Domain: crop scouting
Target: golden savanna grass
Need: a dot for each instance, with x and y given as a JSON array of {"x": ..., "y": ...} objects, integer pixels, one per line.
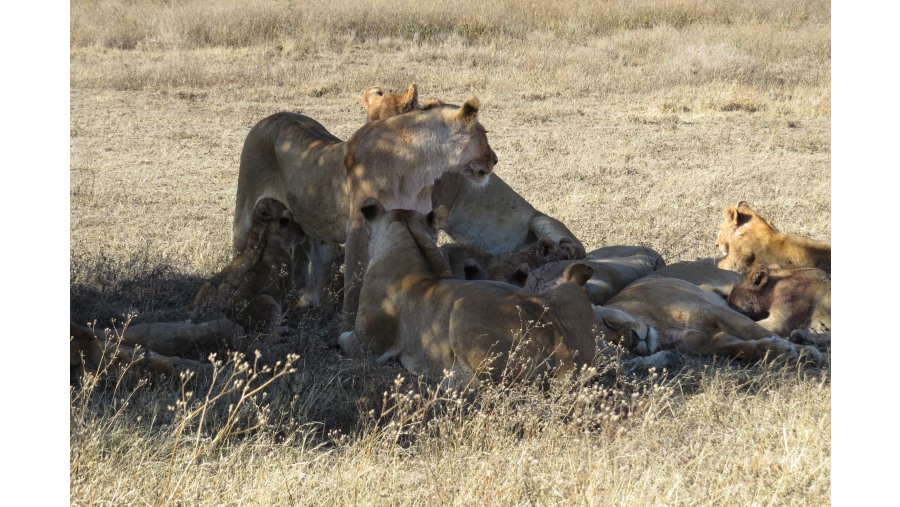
[{"x": 632, "y": 122}]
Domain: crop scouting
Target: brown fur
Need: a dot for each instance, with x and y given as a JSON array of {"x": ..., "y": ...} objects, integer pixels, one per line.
[
  {"x": 702, "y": 273},
  {"x": 787, "y": 300},
  {"x": 294, "y": 159},
  {"x": 614, "y": 268},
  {"x": 469, "y": 262},
  {"x": 494, "y": 217},
  {"x": 747, "y": 241},
  {"x": 381, "y": 105},
  {"x": 257, "y": 301},
  {"x": 694, "y": 321},
  {"x": 217, "y": 291},
  {"x": 409, "y": 307}
]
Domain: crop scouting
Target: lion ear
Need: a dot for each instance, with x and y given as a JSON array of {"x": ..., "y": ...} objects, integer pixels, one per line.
[
  {"x": 743, "y": 215},
  {"x": 730, "y": 214},
  {"x": 410, "y": 99},
  {"x": 370, "y": 94},
  {"x": 265, "y": 209},
  {"x": 469, "y": 110},
  {"x": 760, "y": 277},
  {"x": 578, "y": 273},
  {"x": 371, "y": 209}
]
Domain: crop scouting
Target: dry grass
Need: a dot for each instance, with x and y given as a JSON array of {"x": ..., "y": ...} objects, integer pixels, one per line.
[{"x": 632, "y": 122}]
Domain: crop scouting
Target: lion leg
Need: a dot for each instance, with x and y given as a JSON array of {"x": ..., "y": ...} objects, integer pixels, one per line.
[
  {"x": 202, "y": 300},
  {"x": 543, "y": 226},
  {"x": 321, "y": 255},
  {"x": 811, "y": 337},
  {"x": 178, "y": 338},
  {"x": 351, "y": 344},
  {"x": 356, "y": 258},
  {"x": 243, "y": 224},
  {"x": 774, "y": 346},
  {"x": 301, "y": 257},
  {"x": 776, "y": 324}
]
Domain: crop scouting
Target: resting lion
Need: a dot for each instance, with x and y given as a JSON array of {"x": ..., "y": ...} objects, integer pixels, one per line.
[
  {"x": 492, "y": 217},
  {"x": 789, "y": 302},
  {"x": 293, "y": 159},
  {"x": 747, "y": 240},
  {"x": 695, "y": 321},
  {"x": 614, "y": 268},
  {"x": 411, "y": 307},
  {"x": 702, "y": 273}
]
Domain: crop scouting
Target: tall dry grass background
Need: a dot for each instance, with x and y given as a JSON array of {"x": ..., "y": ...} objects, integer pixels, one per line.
[{"x": 632, "y": 122}]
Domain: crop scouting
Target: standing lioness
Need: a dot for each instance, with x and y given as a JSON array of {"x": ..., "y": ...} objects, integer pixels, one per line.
[
  {"x": 492, "y": 217},
  {"x": 323, "y": 181}
]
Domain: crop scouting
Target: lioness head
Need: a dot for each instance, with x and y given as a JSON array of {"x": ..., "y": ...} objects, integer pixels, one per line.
[
  {"x": 619, "y": 328},
  {"x": 476, "y": 159},
  {"x": 386, "y": 226}
]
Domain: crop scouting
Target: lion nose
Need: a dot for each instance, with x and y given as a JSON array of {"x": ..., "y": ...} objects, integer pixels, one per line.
[{"x": 493, "y": 157}]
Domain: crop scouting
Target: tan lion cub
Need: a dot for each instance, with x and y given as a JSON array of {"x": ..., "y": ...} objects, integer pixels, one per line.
[
  {"x": 747, "y": 241},
  {"x": 218, "y": 290},
  {"x": 411, "y": 307},
  {"x": 257, "y": 300}
]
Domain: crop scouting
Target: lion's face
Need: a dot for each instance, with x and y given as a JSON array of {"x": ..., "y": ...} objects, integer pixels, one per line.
[
  {"x": 477, "y": 158},
  {"x": 734, "y": 218},
  {"x": 748, "y": 294},
  {"x": 617, "y": 327}
]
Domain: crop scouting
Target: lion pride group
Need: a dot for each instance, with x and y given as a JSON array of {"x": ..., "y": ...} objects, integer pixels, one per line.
[{"x": 510, "y": 293}]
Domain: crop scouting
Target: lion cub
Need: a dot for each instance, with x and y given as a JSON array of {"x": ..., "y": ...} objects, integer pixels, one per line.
[
  {"x": 256, "y": 302},
  {"x": 747, "y": 241},
  {"x": 218, "y": 290},
  {"x": 792, "y": 303}
]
